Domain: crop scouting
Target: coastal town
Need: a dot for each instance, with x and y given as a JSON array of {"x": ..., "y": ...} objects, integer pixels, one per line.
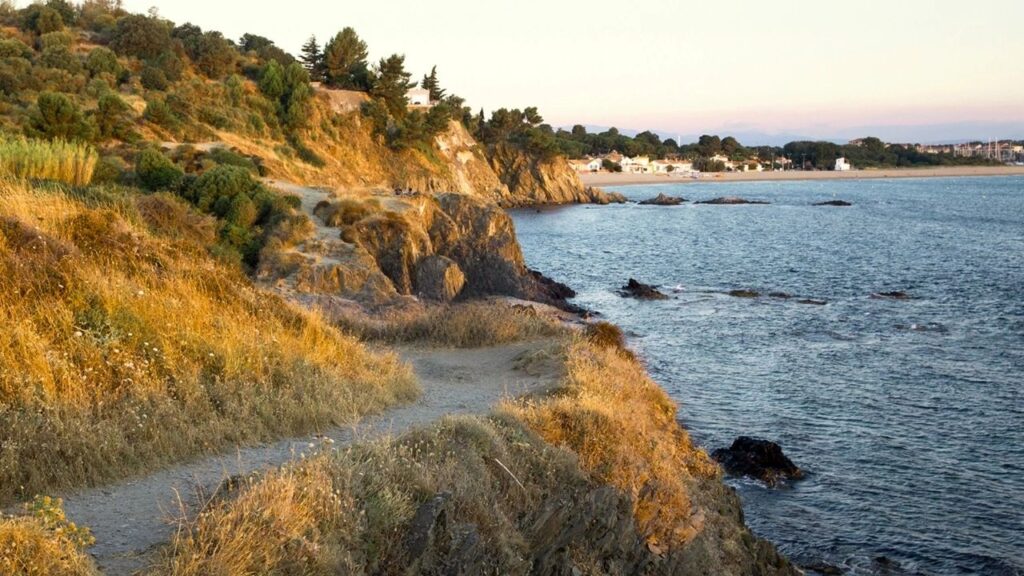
[{"x": 1005, "y": 152}]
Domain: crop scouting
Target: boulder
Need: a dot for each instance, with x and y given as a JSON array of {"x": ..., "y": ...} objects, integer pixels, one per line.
[
  {"x": 812, "y": 301},
  {"x": 730, "y": 200},
  {"x": 833, "y": 203},
  {"x": 663, "y": 199},
  {"x": 439, "y": 278},
  {"x": 759, "y": 459},
  {"x": 744, "y": 293},
  {"x": 641, "y": 291}
]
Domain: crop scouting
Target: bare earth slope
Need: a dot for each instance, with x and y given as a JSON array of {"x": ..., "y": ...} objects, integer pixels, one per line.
[{"x": 132, "y": 519}]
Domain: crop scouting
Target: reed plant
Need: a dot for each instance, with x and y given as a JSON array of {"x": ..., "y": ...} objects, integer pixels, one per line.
[{"x": 68, "y": 162}]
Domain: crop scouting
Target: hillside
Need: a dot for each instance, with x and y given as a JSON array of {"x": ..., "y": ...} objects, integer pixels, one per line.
[{"x": 203, "y": 250}]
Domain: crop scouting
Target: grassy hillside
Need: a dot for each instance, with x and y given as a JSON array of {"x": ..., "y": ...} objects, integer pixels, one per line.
[
  {"x": 597, "y": 476},
  {"x": 125, "y": 345}
]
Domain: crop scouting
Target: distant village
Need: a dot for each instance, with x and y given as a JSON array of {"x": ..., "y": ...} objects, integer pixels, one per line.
[{"x": 1008, "y": 152}]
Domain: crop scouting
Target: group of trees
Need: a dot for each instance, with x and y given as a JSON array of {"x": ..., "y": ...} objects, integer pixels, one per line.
[
  {"x": 869, "y": 152},
  {"x": 342, "y": 63}
]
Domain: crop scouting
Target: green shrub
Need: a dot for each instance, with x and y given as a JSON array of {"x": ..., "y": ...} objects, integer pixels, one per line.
[
  {"x": 153, "y": 78},
  {"x": 227, "y": 157},
  {"x": 57, "y": 116},
  {"x": 109, "y": 170},
  {"x": 159, "y": 113},
  {"x": 102, "y": 61},
  {"x": 141, "y": 36},
  {"x": 14, "y": 48},
  {"x": 156, "y": 171},
  {"x": 248, "y": 211},
  {"x": 113, "y": 117}
]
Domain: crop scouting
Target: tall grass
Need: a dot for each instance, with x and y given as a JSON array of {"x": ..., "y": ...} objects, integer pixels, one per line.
[
  {"x": 462, "y": 325},
  {"x": 68, "y": 162},
  {"x": 124, "y": 345},
  {"x": 527, "y": 478}
]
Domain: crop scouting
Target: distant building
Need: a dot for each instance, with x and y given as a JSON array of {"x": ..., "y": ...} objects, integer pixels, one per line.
[
  {"x": 419, "y": 98},
  {"x": 842, "y": 165},
  {"x": 585, "y": 164}
]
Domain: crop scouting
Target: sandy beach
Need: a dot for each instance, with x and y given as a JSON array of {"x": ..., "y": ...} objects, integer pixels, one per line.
[{"x": 621, "y": 179}]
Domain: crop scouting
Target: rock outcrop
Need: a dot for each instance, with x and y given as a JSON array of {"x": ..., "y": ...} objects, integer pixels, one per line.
[
  {"x": 440, "y": 247},
  {"x": 533, "y": 182},
  {"x": 892, "y": 295},
  {"x": 663, "y": 199},
  {"x": 832, "y": 203},
  {"x": 641, "y": 291},
  {"x": 439, "y": 278},
  {"x": 731, "y": 200},
  {"x": 757, "y": 458}
]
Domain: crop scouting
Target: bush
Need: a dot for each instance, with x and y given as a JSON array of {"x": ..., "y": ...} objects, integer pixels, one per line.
[
  {"x": 57, "y": 116},
  {"x": 102, "y": 61},
  {"x": 156, "y": 171},
  {"x": 159, "y": 113},
  {"x": 248, "y": 210},
  {"x": 70, "y": 163},
  {"x": 113, "y": 117},
  {"x": 141, "y": 36},
  {"x": 153, "y": 78},
  {"x": 109, "y": 170}
]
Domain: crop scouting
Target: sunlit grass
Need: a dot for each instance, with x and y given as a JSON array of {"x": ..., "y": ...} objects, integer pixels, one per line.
[
  {"x": 68, "y": 162},
  {"x": 124, "y": 345}
]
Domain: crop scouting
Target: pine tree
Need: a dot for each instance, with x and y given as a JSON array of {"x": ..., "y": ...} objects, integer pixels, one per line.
[
  {"x": 344, "y": 61},
  {"x": 392, "y": 84},
  {"x": 431, "y": 84},
  {"x": 313, "y": 60}
]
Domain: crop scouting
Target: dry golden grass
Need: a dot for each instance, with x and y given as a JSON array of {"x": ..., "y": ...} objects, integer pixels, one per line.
[
  {"x": 43, "y": 543},
  {"x": 471, "y": 324},
  {"x": 350, "y": 512},
  {"x": 68, "y": 162},
  {"x": 623, "y": 428},
  {"x": 124, "y": 345}
]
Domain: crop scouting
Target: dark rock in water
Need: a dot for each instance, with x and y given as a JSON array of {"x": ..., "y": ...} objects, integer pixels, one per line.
[
  {"x": 812, "y": 301},
  {"x": 744, "y": 293},
  {"x": 779, "y": 295},
  {"x": 823, "y": 568},
  {"x": 894, "y": 295},
  {"x": 833, "y": 203},
  {"x": 663, "y": 200},
  {"x": 553, "y": 289},
  {"x": 731, "y": 200},
  {"x": 757, "y": 458},
  {"x": 641, "y": 291}
]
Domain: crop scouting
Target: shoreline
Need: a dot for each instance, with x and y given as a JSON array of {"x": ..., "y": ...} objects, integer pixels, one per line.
[{"x": 622, "y": 179}]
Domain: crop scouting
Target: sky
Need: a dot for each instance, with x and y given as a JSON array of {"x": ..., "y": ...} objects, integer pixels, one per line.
[{"x": 912, "y": 70}]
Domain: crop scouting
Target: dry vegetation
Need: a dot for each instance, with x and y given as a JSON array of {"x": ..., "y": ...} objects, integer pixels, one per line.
[
  {"x": 124, "y": 345},
  {"x": 350, "y": 511},
  {"x": 68, "y": 162},
  {"x": 471, "y": 324},
  {"x": 42, "y": 542}
]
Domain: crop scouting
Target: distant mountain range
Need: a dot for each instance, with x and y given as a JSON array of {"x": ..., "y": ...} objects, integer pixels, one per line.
[{"x": 947, "y": 133}]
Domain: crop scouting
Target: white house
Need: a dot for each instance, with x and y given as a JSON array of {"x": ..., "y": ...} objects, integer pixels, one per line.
[
  {"x": 419, "y": 98},
  {"x": 842, "y": 165},
  {"x": 636, "y": 165},
  {"x": 585, "y": 164}
]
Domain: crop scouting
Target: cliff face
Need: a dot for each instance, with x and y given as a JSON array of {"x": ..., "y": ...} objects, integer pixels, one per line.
[
  {"x": 382, "y": 248},
  {"x": 530, "y": 181}
]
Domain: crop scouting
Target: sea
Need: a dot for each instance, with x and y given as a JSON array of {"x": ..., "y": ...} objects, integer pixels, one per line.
[{"x": 907, "y": 414}]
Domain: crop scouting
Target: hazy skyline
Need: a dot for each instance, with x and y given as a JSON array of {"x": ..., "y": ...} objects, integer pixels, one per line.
[{"x": 917, "y": 70}]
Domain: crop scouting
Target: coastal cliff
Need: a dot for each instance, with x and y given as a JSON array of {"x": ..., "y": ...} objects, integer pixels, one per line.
[{"x": 534, "y": 181}]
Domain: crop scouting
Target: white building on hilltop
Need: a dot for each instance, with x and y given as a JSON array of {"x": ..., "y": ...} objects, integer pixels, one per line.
[
  {"x": 419, "y": 98},
  {"x": 842, "y": 165}
]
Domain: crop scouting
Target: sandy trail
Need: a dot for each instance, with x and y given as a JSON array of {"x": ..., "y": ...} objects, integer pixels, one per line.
[{"x": 132, "y": 519}]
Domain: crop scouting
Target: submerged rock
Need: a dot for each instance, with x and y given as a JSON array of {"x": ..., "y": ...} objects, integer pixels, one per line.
[
  {"x": 641, "y": 291},
  {"x": 894, "y": 295},
  {"x": 663, "y": 199},
  {"x": 759, "y": 459},
  {"x": 812, "y": 301},
  {"x": 823, "y": 568},
  {"x": 731, "y": 200},
  {"x": 833, "y": 203},
  {"x": 744, "y": 293}
]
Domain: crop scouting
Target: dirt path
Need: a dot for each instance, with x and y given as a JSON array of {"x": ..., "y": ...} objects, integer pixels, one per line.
[{"x": 132, "y": 519}]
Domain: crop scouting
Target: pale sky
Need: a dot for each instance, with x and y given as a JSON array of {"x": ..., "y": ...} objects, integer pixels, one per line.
[{"x": 800, "y": 67}]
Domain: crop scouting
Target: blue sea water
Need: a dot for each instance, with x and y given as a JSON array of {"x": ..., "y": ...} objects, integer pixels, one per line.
[{"x": 907, "y": 415}]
